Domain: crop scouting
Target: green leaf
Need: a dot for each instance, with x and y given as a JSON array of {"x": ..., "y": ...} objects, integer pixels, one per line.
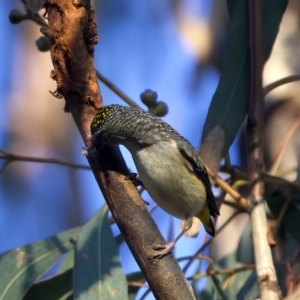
[
  {"x": 57, "y": 287},
  {"x": 241, "y": 285},
  {"x": 133, "y": 290},
  {"x": 245, "y": 286},
  {"x": 97, "y": 270},
  {"x": 229, "y": 104},
  {"x": 24, "y": 265},
  {"x": 208, "y": 293},
  {"x": 289, "y": 215},
  {"x": 244, "y": 252},
  {"x": 281, "y": 272},
  {"x": 68, "y": 262}
]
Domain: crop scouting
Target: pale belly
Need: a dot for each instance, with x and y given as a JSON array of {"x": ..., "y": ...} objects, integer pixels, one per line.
[{"x": 169, "y": 182}]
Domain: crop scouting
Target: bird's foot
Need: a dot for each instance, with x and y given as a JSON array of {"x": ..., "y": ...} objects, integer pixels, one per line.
[
  {"x": 163, "y": 250},
  {"x": 136, "y": 181}
]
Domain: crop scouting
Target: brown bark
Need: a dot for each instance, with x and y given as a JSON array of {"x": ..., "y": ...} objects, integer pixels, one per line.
[{"x": 72, "y": 32}]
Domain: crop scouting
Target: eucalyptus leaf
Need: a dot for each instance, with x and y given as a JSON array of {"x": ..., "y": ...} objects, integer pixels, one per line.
[
  {"x": 244, "y": 252},
  {"x": 21, "y": 267},
  {"x": 57, "y": 287},
  {"x": 290, "y": 215},
  {"x": 97, "y": 270},
  {"x": 68, "y": 262},
  {"x": 208, "y": 293},
  {"x": 241, "y": 285},
  {"x": 230, "y": 101},
  {"x": 245, "y": 286}
]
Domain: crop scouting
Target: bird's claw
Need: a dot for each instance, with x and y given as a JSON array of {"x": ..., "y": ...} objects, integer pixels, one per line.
[
  {"x": 136, "y": 181},
  {"x": 163, "y": 250}
]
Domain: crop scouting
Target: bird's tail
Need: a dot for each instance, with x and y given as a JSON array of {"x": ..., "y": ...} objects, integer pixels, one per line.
[{"x": 206, "y": 220}]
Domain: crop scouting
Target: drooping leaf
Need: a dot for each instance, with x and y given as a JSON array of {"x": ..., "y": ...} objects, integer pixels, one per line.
[
  {"x": 68, "y": 262},
  {"x": 244, "y": 252},
  {"x": 290, "y": 215},
  {"x": 97, "y": 270},
  {"x": 54, "y": 288},
  {"x": 245, "y": 286},
  {"x": 21, "y": 267},
  {"x": 281, "y": 272},
  {"x": 241, "y": 285},
  {"x": 229, "y": 104},
  {"x": 208, "y": 293}
]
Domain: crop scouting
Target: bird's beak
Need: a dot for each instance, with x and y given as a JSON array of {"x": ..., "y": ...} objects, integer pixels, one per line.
[{"x": 97, "y": 140}]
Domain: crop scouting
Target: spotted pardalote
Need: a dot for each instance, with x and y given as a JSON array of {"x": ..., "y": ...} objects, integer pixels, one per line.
[{"x": 169, "y": 167}]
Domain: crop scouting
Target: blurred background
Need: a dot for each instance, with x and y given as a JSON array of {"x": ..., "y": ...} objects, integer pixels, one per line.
[{"x": 174, "y": 47}]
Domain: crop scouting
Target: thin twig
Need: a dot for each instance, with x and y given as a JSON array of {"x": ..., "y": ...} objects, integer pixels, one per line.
[
  {"x": 206, "y": 244},
  {"x": 115, "y": 89},
  {"x": 283, "y": 145},
  {"x": 34, "y": 16},
  {"x": 137, "y": 284},
  {"x": 13, "y": 157},
  {"x": 231, "y": 204},
  {"x": 265, "y": 270},
  {"x": 229, "y": 271},
  {"x": 200, "y": 257},
  {"x": 290, "y": 278},
  {"x": 274, "y": 180},
  {"x": 197, "y": 254},
  {"x": 231, "y": 191},
  {"x": 282, "y": 81}
]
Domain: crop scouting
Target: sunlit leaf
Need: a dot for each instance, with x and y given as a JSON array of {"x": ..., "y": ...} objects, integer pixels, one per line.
[
  {"x": 97, "y": 270},
  {"x": 229, "y": 103},
  {"x": 21, "y": 267}
]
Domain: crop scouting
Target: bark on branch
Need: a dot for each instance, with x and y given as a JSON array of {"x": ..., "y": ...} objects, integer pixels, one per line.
[{"x": 72, "y": 32}]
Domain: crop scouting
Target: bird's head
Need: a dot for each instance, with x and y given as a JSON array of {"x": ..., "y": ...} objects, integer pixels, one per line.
[{"x": 108, "y": 126}]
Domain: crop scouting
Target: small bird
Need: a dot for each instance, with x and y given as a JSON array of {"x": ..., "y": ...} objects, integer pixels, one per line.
[{"x": 169, "y": 167}]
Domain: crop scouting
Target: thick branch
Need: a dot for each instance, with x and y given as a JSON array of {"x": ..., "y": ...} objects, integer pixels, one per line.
[
  {"x": 72, "y": 32},
  {"x": 266, "y": 274}
]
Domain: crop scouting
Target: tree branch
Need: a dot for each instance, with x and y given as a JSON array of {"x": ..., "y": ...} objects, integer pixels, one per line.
[
  {"x": 229, "y": 189},
  {"x": 72, "y": 32},
  {"x": 116, "y": 90},
  {"x": 10, "y": 157},
  {"x": 265, "y": 270},
  {"x": 280, "y": 82}
]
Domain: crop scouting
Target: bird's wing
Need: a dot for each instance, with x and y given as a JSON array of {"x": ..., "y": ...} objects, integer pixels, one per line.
[{"x": 192, "y": 157}]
